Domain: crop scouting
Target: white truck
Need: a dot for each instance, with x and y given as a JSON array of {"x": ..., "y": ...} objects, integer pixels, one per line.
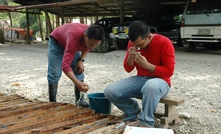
[{"x": 201, "y": 24}]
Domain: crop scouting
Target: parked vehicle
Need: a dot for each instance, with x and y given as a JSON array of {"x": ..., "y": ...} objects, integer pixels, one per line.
[
  {"x": 119, "y": 34},
  {"x": 107, "y": 24},
  {"x": 166, "y": 22},
  {"x": 201, "y": 24}
]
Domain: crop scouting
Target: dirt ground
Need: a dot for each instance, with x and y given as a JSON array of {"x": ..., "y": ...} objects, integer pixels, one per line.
[{"x": 196, "y": 79}]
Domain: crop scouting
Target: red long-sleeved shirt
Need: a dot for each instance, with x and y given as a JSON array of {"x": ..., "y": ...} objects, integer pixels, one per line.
[
  {"x": 160, "y": 52},
  {"x": 70, "y": 36}
]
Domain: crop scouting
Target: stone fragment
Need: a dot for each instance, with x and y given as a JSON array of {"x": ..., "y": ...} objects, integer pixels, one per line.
[{"x": 184, "y": 115}]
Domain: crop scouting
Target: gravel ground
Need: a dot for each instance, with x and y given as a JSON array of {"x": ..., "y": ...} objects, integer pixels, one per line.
[{"x": 197, "y": 79}]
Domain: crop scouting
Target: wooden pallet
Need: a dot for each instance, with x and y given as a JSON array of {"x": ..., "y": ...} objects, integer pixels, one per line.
[{"x": 20, "y": 115}]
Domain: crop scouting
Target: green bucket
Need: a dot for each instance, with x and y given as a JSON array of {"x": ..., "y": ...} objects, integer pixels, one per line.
[{"x": 99, "y": 103}]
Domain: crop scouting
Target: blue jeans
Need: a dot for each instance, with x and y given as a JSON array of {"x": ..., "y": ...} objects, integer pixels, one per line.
[
  {"x": 55, "y": 56},
  {"x": 149, "y": 89}
]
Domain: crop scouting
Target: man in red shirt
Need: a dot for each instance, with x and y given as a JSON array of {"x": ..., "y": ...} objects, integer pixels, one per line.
[
  {"x": 68, "y": 46},
  {"x": 152, "y": 55}
]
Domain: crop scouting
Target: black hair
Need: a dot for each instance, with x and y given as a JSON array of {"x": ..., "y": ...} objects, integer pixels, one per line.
[
  {"x": 138, "y": 28},
  {"x": 95, "y": 32}
]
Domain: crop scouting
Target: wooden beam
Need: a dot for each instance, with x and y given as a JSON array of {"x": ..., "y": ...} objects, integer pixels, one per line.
[
  {"x": 57, "y": 21},
  {"x": 119, "y": 7},
  {"x": 62, "y": 15},
  {"x": 122, "y": 12},
  {"x": 9, "y": 14},
  {"x": 104, "y": 2},
  {"x": 48, "y": 22},
  {"x": 173, "y": 3},
  {"x": 22, "y": 12}
]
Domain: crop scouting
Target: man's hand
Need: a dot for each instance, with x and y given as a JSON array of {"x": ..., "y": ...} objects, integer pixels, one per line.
[
  {"x": 82, "y": 86},
  {"x": 80, "y": 67},
  {"x": 131, "y": 52},
  {"x": 141, "y": 60},
  {"x": 131, "y": 55}
]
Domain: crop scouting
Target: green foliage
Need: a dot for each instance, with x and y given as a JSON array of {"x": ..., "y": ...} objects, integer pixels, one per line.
[
  {"x": 3, "y": 15},
  {"x": 11, "y": 3},
  {"x": 32, "y": 20},
  {"x": 4, "y": 2},
  {"x": 35, "y": 27}
]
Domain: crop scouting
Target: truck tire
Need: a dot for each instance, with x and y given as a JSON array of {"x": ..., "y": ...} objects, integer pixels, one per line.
[
  {"x": 104, "y": 46},
  {"x": 191, "y": 47},
  {"x": 120, "y": 45},
  {"x": 179, "y": 42}
]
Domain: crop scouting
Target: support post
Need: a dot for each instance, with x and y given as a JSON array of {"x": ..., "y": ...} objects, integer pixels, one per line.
[
  {"x": 62, "y": 16},
  {"x": 40, "y": 26},
  {"x": 28, "y": 29},
  {"x": 122, "y": 12}
]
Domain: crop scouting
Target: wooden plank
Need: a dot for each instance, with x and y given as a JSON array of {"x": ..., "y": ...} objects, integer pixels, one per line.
[
  {"x": 46, "y": 120},
  {"x": 172, "y": 100},
  {"x": 67, "y": 125},
  {"x": 8, "y": 98},
  {"x": 15, "y": 106},
  {"x": 85, "y": 126},
  {"x": 15, "y": 102},
  {"x": 32, "y": 111},
  {"x": 29, "y": 108}
]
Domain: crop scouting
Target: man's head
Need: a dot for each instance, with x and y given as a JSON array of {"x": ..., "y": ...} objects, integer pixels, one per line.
[
  {"x": 137, "y": 29},
  {"x": 139, "y": 34},
  {"x": 93, "y": 36}
]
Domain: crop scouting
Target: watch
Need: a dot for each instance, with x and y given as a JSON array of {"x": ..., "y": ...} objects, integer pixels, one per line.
[{"x": 79, "y": 59}]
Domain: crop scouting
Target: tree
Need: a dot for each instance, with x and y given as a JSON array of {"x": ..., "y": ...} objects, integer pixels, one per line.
[{"x": 4, "y": 2}]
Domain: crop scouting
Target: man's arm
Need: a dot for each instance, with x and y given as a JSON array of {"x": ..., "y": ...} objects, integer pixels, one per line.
[
  {"x": 129, "y": 59},
  {"x": 83, "y": 54}
]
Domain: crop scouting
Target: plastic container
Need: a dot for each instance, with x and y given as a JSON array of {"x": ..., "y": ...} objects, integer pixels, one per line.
[{"x": 99, "y": 103}]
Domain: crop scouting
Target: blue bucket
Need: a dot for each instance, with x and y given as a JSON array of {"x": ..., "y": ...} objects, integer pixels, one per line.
[{"x": 99, "y": 103}]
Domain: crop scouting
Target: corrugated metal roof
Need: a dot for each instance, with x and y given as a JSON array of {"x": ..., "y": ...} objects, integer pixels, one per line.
[{"x": 73, "y": 8}]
